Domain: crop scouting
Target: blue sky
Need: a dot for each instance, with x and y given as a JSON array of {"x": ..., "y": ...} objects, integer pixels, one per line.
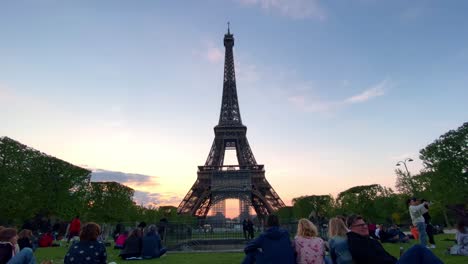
[{"x": 333, "y": 93}]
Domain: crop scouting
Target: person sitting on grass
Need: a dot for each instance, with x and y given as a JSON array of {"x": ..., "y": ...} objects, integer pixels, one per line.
[
  {"x": 273, "y": 246},
  {"x": 308, "y": 246},
  {"x": 385, "y": 236},
  {"x": 120, "y": 241},
  {"x": 25, "y": 239},
  {"x": 461, "y": 248},
  {"x": 152, "y": 247},
  {"x": 366, "y": 250},
  {"x": 9, "y": 249},
  {"x": 132, "y": 246},
  {"x": 338, "y": 242},
  {"x": 88, "y": 249}
]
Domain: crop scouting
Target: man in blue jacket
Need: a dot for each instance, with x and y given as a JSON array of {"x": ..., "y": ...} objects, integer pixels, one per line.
[{"x": 272, "y": 246}]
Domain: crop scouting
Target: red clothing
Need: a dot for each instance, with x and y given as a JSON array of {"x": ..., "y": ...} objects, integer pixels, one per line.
[
  {"x": 120, "y": 240},
  {"x": 415, "y": 232},
  {"x": 75, "y": 226},
  {"x": 46, "y": 240}
]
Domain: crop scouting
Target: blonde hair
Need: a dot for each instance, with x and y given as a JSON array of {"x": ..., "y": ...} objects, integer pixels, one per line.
[
  {"x": 306, "y": 228},
  {"x": 336, "y": 227}
]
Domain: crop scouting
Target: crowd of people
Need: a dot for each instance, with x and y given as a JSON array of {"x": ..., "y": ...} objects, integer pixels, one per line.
[{"x": 350, "y": 240}]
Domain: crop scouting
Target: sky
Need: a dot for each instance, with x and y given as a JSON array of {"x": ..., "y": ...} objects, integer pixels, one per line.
[{"x": 333, "y": 93}]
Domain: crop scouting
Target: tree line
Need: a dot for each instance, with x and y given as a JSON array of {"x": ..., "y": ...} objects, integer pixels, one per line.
[
  {"x": 34, "y": 184},
  {"x": 443, "y": 181}
]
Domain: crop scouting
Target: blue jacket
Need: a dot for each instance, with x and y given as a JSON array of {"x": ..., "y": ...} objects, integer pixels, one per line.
[
  {"x": 339, "y": 250},
  {"x": 275, "y": 246},
  {"x": 151, "y": 245}
]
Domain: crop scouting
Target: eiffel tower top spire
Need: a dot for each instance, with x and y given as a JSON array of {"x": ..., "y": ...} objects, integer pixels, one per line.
[{"x": 230, "y": 114}]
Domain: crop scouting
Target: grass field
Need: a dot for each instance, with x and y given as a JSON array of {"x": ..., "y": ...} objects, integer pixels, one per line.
[{"x": 57, "y": 253}]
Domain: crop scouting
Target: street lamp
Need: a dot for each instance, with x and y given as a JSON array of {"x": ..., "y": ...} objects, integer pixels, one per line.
[{"x": 404, "y": 163}]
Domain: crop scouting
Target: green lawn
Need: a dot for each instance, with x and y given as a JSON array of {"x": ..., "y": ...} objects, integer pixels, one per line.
[{"x": 56, "y": 254}]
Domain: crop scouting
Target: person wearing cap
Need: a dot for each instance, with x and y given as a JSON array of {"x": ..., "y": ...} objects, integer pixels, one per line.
[{"x": 416, "y": 211}]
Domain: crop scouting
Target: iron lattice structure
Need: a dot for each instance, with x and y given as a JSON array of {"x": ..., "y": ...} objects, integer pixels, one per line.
[{"x": 216, "y": 182}]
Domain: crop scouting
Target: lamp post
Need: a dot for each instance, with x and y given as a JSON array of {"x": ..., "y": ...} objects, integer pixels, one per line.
[
  {"x": 407, "y": 172},
  {"x": 404, "y": 163}
]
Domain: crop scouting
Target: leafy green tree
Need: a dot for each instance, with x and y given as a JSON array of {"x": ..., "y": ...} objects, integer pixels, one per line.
[
  {"x": 285, "y": 214},
  {"x": 34, "y": 182},
  {"x": 446, "y": 163},
  {"x": 374, "y": 202},
  {"x": 317, "y": 205},
  {"x": 111, "y": 202}
]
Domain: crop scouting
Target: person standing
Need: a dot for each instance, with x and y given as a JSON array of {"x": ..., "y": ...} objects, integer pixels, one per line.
[
  {"x": 416, "y": 210},
  {"x": 250, "y": 229},
  {"x": 75, "y": 227},
  {"x": 244, "y": 228},
  {"x": 429, "y": 226}
]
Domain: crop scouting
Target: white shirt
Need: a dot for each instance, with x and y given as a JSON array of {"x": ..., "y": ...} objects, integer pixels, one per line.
[{"x": 416, "y": 212}]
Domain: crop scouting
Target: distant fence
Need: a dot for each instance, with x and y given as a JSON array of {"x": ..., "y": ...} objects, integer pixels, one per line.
[{"x": 210, "y": 236}]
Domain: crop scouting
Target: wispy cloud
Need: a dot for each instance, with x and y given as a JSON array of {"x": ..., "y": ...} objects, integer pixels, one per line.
[
  {"x": 376, "y": 90},
  {"x": 131, "y": 179},
  {"x": 6, "y": 94},
  {"x": 314, "y": 105},
  {"x": 214, "y": 55},
  {"x": 140, "y": 183},
  {"x": 156, "y": 199},
  {"x": 296, "y": 9}
]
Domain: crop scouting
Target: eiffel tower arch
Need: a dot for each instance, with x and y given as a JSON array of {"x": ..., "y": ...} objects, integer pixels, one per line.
[{"x": 217, "y": 182}]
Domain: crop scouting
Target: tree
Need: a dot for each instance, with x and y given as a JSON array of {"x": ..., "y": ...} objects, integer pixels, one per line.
[
  {"x": 34, "y": 182},
  {"x": 111, "y": 202},
  {"x": 319, "y": 205},
  {"x": 446, "y": 162},
  {"x": 374, "y": 202}
]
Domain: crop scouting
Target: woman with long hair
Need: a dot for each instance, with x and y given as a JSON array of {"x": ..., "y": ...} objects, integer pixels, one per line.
[
  {"x": 338, "y": 242},
  {"x": 308, "y": 246},
  {"x": 9, "y": 249},
  {"x": 24, "y": 239}
]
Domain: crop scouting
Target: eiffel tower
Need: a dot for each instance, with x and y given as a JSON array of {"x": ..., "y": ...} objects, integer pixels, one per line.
[{"x": 216, "y": 182}]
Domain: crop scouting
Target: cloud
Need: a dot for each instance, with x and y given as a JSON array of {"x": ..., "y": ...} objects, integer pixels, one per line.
[
  {"x": 131, "y": 179},
  {"x": 304, "y": 103},
  {"x": 156, "y": 199},
  {"x": 296, "y": 9},
  {"x": 214, "y": 55},
  {"x": 140, "y": 183},
  {"x": 247, "y": 72},
  {"x": 376, "y": 90},
  {"x": 6, "y": 94}
]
